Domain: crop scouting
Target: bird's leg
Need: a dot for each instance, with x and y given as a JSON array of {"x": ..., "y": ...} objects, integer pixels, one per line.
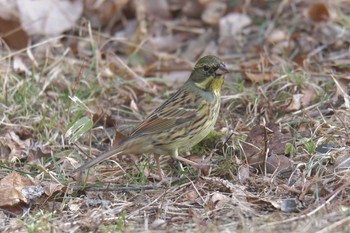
[
  {"x": 182, "y": 159},
  {"x": 160, "y": 171},
  {"x": 162, "y": 178}
]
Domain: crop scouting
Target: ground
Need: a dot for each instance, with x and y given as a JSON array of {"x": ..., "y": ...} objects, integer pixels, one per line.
[{"x": 277, "y": 161}]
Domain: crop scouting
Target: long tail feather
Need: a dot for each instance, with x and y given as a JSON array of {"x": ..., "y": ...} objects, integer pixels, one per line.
[{"x": 101, "y": 158}]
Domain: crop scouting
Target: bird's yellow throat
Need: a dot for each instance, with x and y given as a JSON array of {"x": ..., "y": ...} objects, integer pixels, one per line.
[{"x": 212, "y": 83}]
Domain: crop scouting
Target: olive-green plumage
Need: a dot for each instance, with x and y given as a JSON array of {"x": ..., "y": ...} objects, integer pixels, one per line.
[{"x": 180, "y": 122}]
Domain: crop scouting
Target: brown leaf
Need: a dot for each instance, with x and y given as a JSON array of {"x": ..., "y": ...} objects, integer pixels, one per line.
[
  {"x": 13, "y": 34},
  {"x": 254, "y": 148},
  {"x": 260, "y": 77},
  {"x": 102, "y": 117},
  {"x": 38, "y": 153},
  {"x": 278, "y": 163},
  {"x": 118, "y": 138},
  {"x": 52, "y": 188},
  {"x": 11, "y": 196},
  {"x": 12, "y": 147},
  {"x": 309, "y": 94},
  {"x": 24, "y": 133},
  {"x": 318, "y": 12},
  {"x": 299, "y": 59}
]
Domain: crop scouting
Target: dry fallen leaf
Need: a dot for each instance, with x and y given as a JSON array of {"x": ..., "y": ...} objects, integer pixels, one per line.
[
  {"x": 12, "y": 147},
  {"x": 260, "y": 77},
  {"x": 318, "y": 12},
  {"x": 101, "y": 117},
  {"x": 295, "y": 103},
  {"x": 49, "y": 18},
  {"x": 118, "y": 138},
  {"x": 51, "y": 188},
  {"x": 219, "y": 200},
  {"x": 309, "y": 94},
  {"x": 259, "y": 70},
  {"x": 342, "y": 163},
  {"x": 255, "y": 151},
  {"x": 279, "y": 163},
  {"x": 38, "y": 152},
  {"x": 11, "y": 196},
  {"x": 13, "y": 34}
]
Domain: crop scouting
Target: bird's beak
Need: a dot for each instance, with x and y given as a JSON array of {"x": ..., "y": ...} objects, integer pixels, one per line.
[{"x": 221, "y": 70}]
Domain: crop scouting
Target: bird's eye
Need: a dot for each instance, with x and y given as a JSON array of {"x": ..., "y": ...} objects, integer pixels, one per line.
[{"x": 205, "y": 68}]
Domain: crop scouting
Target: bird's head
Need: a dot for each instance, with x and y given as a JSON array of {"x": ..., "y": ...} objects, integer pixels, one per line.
[{"x": 208, "y": 74}]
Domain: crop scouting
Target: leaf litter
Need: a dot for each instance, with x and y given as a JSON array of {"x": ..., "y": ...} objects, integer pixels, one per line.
[{"x": 279, "y": 163}]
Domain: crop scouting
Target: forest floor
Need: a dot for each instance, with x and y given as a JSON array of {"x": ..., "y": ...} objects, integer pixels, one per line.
[{"x": 278, "y": 160}]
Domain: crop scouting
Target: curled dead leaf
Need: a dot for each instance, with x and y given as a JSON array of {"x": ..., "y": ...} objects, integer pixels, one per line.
[
  {"x": 295, "y": 103},
  {"x": 12, "y": 147},
  {"x": 51, "y": 188},
  {"x": 11, "y": 196}
]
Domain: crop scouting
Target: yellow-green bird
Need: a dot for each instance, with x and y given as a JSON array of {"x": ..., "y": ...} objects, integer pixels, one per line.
[{"x": 181, "y": 121}]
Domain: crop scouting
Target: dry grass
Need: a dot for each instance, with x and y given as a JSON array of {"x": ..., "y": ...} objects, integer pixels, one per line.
[{"x": 110, "y": 83}]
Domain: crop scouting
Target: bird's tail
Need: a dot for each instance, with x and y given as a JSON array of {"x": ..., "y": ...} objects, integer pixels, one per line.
[{"x": 102, "y": 157}]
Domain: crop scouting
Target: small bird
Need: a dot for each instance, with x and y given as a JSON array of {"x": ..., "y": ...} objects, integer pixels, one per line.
[{"x": 181, "y": 121}]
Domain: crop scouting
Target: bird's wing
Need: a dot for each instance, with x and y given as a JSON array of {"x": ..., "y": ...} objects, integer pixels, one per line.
[{"x": 176, "y": 111}]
